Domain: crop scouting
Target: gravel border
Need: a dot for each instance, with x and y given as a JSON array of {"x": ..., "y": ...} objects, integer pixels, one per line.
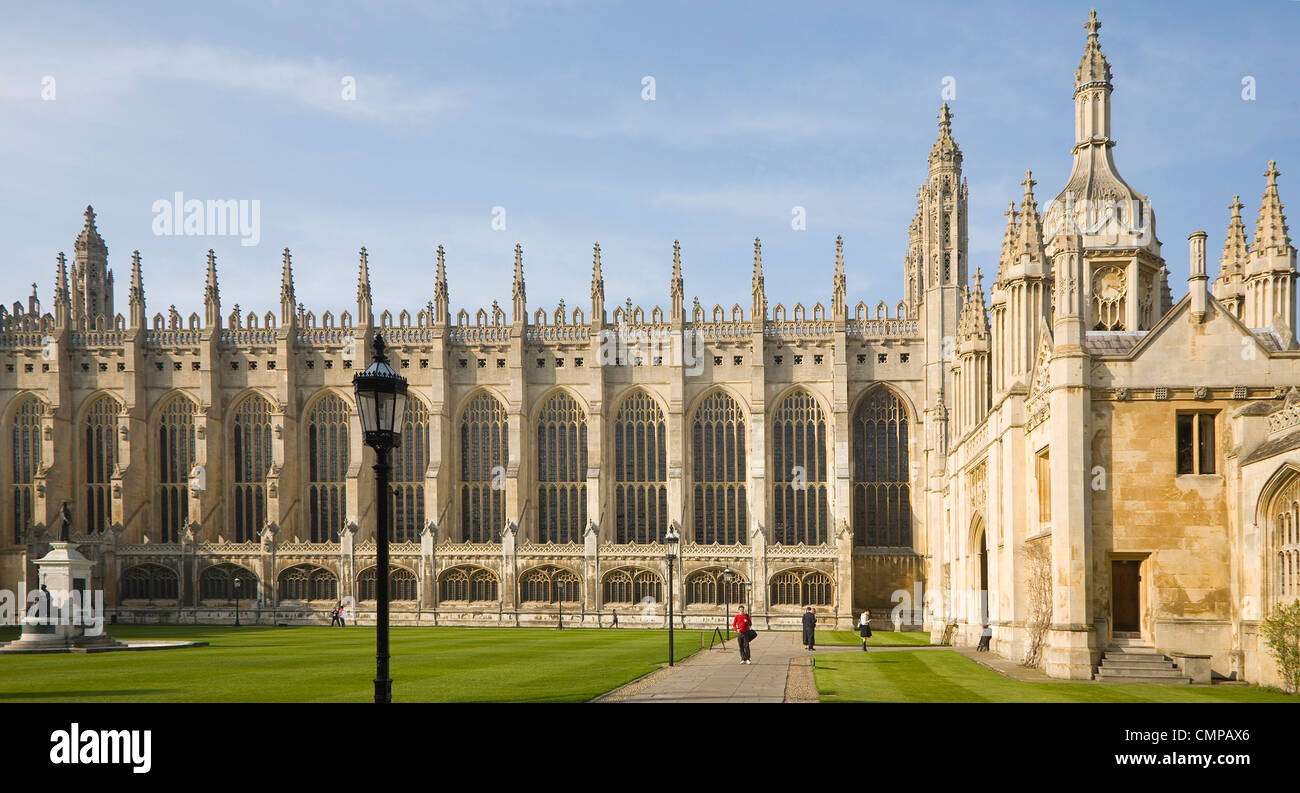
[{"x": 800, "y": 686}]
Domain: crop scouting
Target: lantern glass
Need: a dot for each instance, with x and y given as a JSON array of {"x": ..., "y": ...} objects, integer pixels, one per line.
[{"x": 366, "y": 407}]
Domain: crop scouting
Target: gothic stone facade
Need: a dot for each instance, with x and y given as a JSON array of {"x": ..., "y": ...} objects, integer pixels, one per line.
[{"x": 1077, "y": 459}]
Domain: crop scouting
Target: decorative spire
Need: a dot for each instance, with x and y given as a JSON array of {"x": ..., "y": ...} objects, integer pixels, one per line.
[
  {"x": 839, "y": 288},
  {"x": 1271, "y": 232},
  {"x": 1029, "y": 235},
  {"x": 675, "y": 288},
  {"x": 945, "y": 150},
  {"x": 441, "y": 306},
  {"x": 1093, "y": 67},
  {"x": 1008, "y": 242},
  {"x": 62, "y": 299},
  {"x": 89, "y": 239},
  {"x": 520, "y": 302},
  {"x": 288, "y": 300},
  {"x": 1236, "y": 250},
  {"x": 365, "y": 312},
  {"x": 597, "y": 287},
  {"x": 760, "y": 297},
  {"x": 211, "y": 294}
]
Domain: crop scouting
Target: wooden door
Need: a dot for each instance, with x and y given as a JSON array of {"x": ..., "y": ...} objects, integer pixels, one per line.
[{"x": 1125, "y": 579}]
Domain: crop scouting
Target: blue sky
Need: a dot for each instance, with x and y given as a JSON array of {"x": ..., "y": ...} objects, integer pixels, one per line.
[{"x": 537, "y": 107}]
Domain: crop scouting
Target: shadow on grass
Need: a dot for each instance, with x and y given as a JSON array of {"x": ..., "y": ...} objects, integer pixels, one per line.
[{"x": 52, "y": 695}]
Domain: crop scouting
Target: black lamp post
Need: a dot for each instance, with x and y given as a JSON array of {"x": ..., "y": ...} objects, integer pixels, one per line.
[
  {"x": 727, "y": 578},
  {"x": 236, "y": 601},
  {"x": 381, "y": 403},
  {"x": 670, "y": 542}
]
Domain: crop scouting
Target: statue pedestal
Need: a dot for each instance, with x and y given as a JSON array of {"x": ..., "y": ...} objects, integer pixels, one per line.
[{"x": 67, "y": 606}]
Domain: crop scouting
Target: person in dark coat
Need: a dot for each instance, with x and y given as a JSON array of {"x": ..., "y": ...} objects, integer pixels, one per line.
[{"x": 809, "y": 628}]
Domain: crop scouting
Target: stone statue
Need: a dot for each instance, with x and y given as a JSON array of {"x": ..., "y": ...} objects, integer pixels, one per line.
[{"x": 65, "y": 518}]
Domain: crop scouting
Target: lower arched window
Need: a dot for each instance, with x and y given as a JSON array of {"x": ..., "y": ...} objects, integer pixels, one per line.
[
  {"x": 218, "y": 583},
  {"x": 150, "y": 582},
  {"x": 470, "y": 584},
  {"x": 629, "y": 585},
  {"x": 25, "y": 463},
  {"x": 307, "y": 582},
  {"x": 1284, "y": 542},
  {"x": 709, "y": 587},
  {"x": 801, "y": 588},
  {"x": 549, "y": 585},
  {"x": 402, "y": 584}
]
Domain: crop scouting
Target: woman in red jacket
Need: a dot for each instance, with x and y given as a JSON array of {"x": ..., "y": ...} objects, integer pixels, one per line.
[{"x": 742, "y": 623}]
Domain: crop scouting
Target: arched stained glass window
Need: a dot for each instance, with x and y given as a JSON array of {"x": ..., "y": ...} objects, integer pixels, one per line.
[
  {"x": 402, "y": 584},
  {"x": 882, "y": 507},
  {"x": 708, "y": 588},
  {"x": 549, "y": 585},
  {"x": 99, "y": 445},
  {"x": 484, "y": 450},
  {"x": 631, "y": 585},
  {"x": 561, "y": 470},
  {"x": 718, "y": 471},
  {"x": 251, "y": 439},
  {"x": 800, "y": 510},
  {"x": 640, "y": 471},
  {"x": 25, "y": 463},
  {"x": 175, "y": 458},
  {"x": 150, "y": 582},
  {"x": 467, "y": 584},
  {"x": 410, "y": 461},
  {"x": 800, "y": 588},
  {"x": 327, "y": 451},
  {"x": 218, "y": 583},
  {"x": 308, "y": 582}
]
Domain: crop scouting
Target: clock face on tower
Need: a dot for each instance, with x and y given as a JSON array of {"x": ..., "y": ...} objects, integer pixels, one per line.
[{"x": 1108, "y": 285}]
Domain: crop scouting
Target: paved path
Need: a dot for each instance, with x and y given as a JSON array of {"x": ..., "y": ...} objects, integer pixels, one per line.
[{"x": 718, "y": 676}]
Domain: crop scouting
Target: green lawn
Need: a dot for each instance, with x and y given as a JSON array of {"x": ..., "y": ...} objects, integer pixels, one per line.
[
  {"x": 320, "y": 664},
  {"x": 878, "y": 639},
  {"x": 946, "y": 676}
]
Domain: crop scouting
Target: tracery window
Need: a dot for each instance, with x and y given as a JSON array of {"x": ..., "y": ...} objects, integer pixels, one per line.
[
  {"x": 799, "y": 509},
  {"x": 218, "y": 583},
  {"x": 718, "y": 469},
  {"x": 1284, "y": 553},
  {"x": 1109, "y": 296},
  {"x": 640, "y": 471},
  {"x": 251, "y": 437},
  {"x": 468, "y": 584},
  {"x": 402, "y": 584},
  {"x": 882, "y": 511},
  {"x": 150, "y": 582},
  {"x": 630, "y": 585},
  {"x": 707, "y": 587},
  {"x": 327, "y": 450},
  {"x": 801, "y": 588},
  {"x": 561, "y": 470},
  {"x": 550, "y": 585},
  {"x": 308, "y": 582},
  {"x": 100, "y": 448},
  {"x": 410, "y": 461},
  {"x": 175, "y": 458},
  {"x": 25, "y": 464},
  {"x": 484, "y": 449}
]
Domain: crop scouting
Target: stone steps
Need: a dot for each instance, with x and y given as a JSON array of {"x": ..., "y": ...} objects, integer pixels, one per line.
[{"x": 1129, "y": 660}]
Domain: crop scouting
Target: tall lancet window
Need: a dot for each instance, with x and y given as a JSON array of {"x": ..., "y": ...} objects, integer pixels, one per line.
[
  {"x": 327, "y": 451},
  {"x": 561, "y": 470},
  {"x": 251, "y": 437},
  {"x": 99, "y": 445},
  {"x": 1284, "y": 542},
  {"x": 640, "y": 471},
  {"x": 799, "y": 503},
  {"x": 25, "y": 462},
  {"x": 882, "y": 505},
  {"x": 175, "y": 458},
  {"x": 410, "y": 461},
  {"x": 484, "y": 450},
  {"x": 718, "y": 471}
]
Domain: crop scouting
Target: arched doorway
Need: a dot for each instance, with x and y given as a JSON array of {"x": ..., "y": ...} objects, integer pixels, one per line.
[{"x": 984, "y": 577}]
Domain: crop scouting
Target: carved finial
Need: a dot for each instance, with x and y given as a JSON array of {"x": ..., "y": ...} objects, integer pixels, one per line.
[
  {"x": 945, "y": 119},
  {"x": 1093, "y": 26},
  {"x": 1271, "y": 231}
]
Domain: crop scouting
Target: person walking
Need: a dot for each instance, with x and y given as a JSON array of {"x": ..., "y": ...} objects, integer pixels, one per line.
[
  {"x": 809, "y": 628},
  {"x": 615, "y": 623},
  {"x": 742, "y": 625},
  {"x": 336, "y": 616},
  {"x": 864, "y": 627}
]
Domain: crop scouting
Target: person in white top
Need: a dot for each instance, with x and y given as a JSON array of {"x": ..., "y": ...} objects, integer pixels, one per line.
[{"x": 864, "y": 627}]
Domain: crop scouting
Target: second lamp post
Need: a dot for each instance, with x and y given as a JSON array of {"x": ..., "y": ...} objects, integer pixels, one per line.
[
  {"x": 381, "y": 403},
  {"x": 670, "y": 542}
]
